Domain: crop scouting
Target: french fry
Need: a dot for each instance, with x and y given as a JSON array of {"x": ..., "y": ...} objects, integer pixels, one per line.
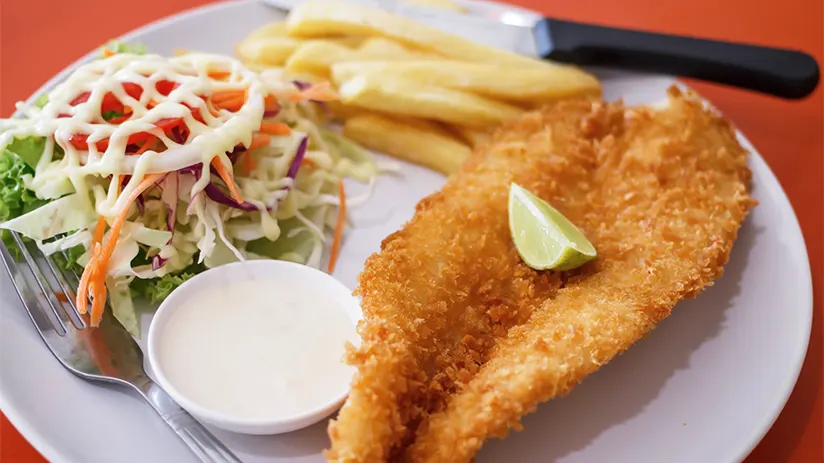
[
  {"x": 520, "y": 85},
  {"x": 341, "y": 111},
  {"x": 379, "y": 48},
  {"x": 316, "y": 56},
  {"x": 275, "y": 29},
  {"x": 474, "y": 137},
  {"x": 446, "y": 5},
  {"x": 348, "y": 41},
  {"x": 322, "y": 18},
  {"x": 413, "y": 143},
  {"x": 270, "y": 51},
  {"x": 399, "y": 96}
]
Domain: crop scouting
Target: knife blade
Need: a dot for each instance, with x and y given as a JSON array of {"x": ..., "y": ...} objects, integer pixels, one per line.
[
  {"x": 785, "y": 73},
  {"x": 511, "y": 31}
]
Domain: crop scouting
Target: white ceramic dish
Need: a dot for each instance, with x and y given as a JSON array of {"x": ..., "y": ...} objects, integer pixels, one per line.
[
  {"x": 704, "y": 387},
  {"x": 240, "y": 271}
]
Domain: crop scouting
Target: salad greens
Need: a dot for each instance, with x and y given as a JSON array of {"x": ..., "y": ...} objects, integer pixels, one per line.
[
  {"x": 276, "y": 199},
  {"x": 156, "y": 289},
  {"x": 116, "y": 46},
  {"x": 15, "y": 198}
]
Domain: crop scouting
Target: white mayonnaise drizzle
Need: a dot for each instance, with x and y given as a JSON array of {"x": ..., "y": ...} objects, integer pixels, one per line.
[{"x": 59, "y": 120}]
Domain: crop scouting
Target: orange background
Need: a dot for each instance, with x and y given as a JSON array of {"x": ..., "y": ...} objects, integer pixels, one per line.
[{"x": 40, "y": 37}]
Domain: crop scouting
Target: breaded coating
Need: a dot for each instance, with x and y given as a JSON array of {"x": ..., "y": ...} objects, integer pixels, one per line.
[{"x": 461, "y": 338}]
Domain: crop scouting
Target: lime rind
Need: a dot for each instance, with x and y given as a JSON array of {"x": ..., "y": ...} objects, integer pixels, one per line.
[{"x": 543, "y": 237}]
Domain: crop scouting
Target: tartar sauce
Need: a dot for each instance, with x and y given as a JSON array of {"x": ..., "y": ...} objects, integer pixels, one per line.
[{"x": 258, "y": 349}]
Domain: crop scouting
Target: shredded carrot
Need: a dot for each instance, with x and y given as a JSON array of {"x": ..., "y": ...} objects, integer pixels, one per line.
[
  {"x": 219, "y": 75},
  {"x": 248, "y": 163},
  {"x": 146, "y": 145},
  {"x": 82, "y": 297},
  {"x": 98, "y": 290},
  {"x": 271, "y": 103},
  {"x": 338, "y": 237},
  {"x": 117, "y": 181},
  {"x": 108, "y": 52},
  {"x": 212, "y": 109},
  {"x": 233, "y": 105},
  {"x": 275, "y": 128},
  {"x": 93, "y": 279},
  {"x": 100, "y": 226},
  {"x": 308, "y": 162},
  {"x": 226, "y": 95},
  {"x": 226, "y": 176},
  {"x": 259, "y": 140},
  {"x": 317, "y": 92}
]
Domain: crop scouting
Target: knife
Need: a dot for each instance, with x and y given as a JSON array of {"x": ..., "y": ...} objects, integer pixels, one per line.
[{"x": 780, "y": 72}]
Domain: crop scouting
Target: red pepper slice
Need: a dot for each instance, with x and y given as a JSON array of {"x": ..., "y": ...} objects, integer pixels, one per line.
[
  {"x": 165, "y": 87},
  {"x": 110, "y": 102},
  {"x": 80, "y": 140},
  {"x": 82, "y": 98},
  {"x": 133, "y": 90}
]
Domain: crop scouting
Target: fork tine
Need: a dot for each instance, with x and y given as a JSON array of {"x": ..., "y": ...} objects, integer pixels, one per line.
[
  {"x": 22, "y": 285},
  {"x": 53, "y": 314},
  {"x": 68, "y": 305}
]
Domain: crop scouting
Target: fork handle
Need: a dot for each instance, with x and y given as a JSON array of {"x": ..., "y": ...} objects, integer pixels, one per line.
[{"x": 206, "y": 446}]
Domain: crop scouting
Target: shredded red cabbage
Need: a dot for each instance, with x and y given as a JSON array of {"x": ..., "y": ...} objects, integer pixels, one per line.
[
  {"x": 301, "y": 84},
  {"x": 217, "y": 195},
  {"x": 158, "y": 262},
  {"x": 170, "y": 199},
  {"x": 177, "y": 135},
  {"x": 293, "y": 168}
]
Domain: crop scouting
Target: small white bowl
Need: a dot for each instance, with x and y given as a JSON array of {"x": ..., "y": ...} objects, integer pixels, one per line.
[{"x": 235, "y": 272}]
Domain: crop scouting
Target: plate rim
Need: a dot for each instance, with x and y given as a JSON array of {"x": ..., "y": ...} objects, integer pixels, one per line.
[{"x": 47, "y": 450}]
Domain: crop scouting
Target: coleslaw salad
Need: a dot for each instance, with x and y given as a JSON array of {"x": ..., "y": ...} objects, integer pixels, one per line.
[{"x": 140, "y": 171}]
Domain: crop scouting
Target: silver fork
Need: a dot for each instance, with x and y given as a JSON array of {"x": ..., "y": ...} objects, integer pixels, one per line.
[{"x": 106, "y": 353}]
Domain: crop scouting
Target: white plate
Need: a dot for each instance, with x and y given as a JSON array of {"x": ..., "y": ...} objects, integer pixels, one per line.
[{"x": 704, "y": 387}]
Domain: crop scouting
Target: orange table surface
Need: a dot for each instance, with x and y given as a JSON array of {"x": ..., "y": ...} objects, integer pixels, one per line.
[{"x": 40, "y": 37}]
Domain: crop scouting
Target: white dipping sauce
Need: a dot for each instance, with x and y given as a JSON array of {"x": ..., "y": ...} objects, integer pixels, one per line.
[{"x": 258, "y": 349}]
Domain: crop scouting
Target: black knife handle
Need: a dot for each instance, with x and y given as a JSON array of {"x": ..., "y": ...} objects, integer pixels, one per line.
[{"x": 783, "y": 73}]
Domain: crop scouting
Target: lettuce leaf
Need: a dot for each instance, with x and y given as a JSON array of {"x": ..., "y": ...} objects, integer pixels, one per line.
[
  {"x": 123, "y": 47},
  {"x": 157, "y": 289},
  {"x": 28, "y": 149},
  {"x": 42, "y": 100},
  {"x": 15, "y": 198},
  {"x": 67, "y": 260}
]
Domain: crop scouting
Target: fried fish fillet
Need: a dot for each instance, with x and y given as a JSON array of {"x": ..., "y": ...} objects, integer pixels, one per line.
[{"x": 461, "y": 338}]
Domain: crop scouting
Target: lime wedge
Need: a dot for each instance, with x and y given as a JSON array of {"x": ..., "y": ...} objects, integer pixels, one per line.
[{"x": 544, "y": 238}]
